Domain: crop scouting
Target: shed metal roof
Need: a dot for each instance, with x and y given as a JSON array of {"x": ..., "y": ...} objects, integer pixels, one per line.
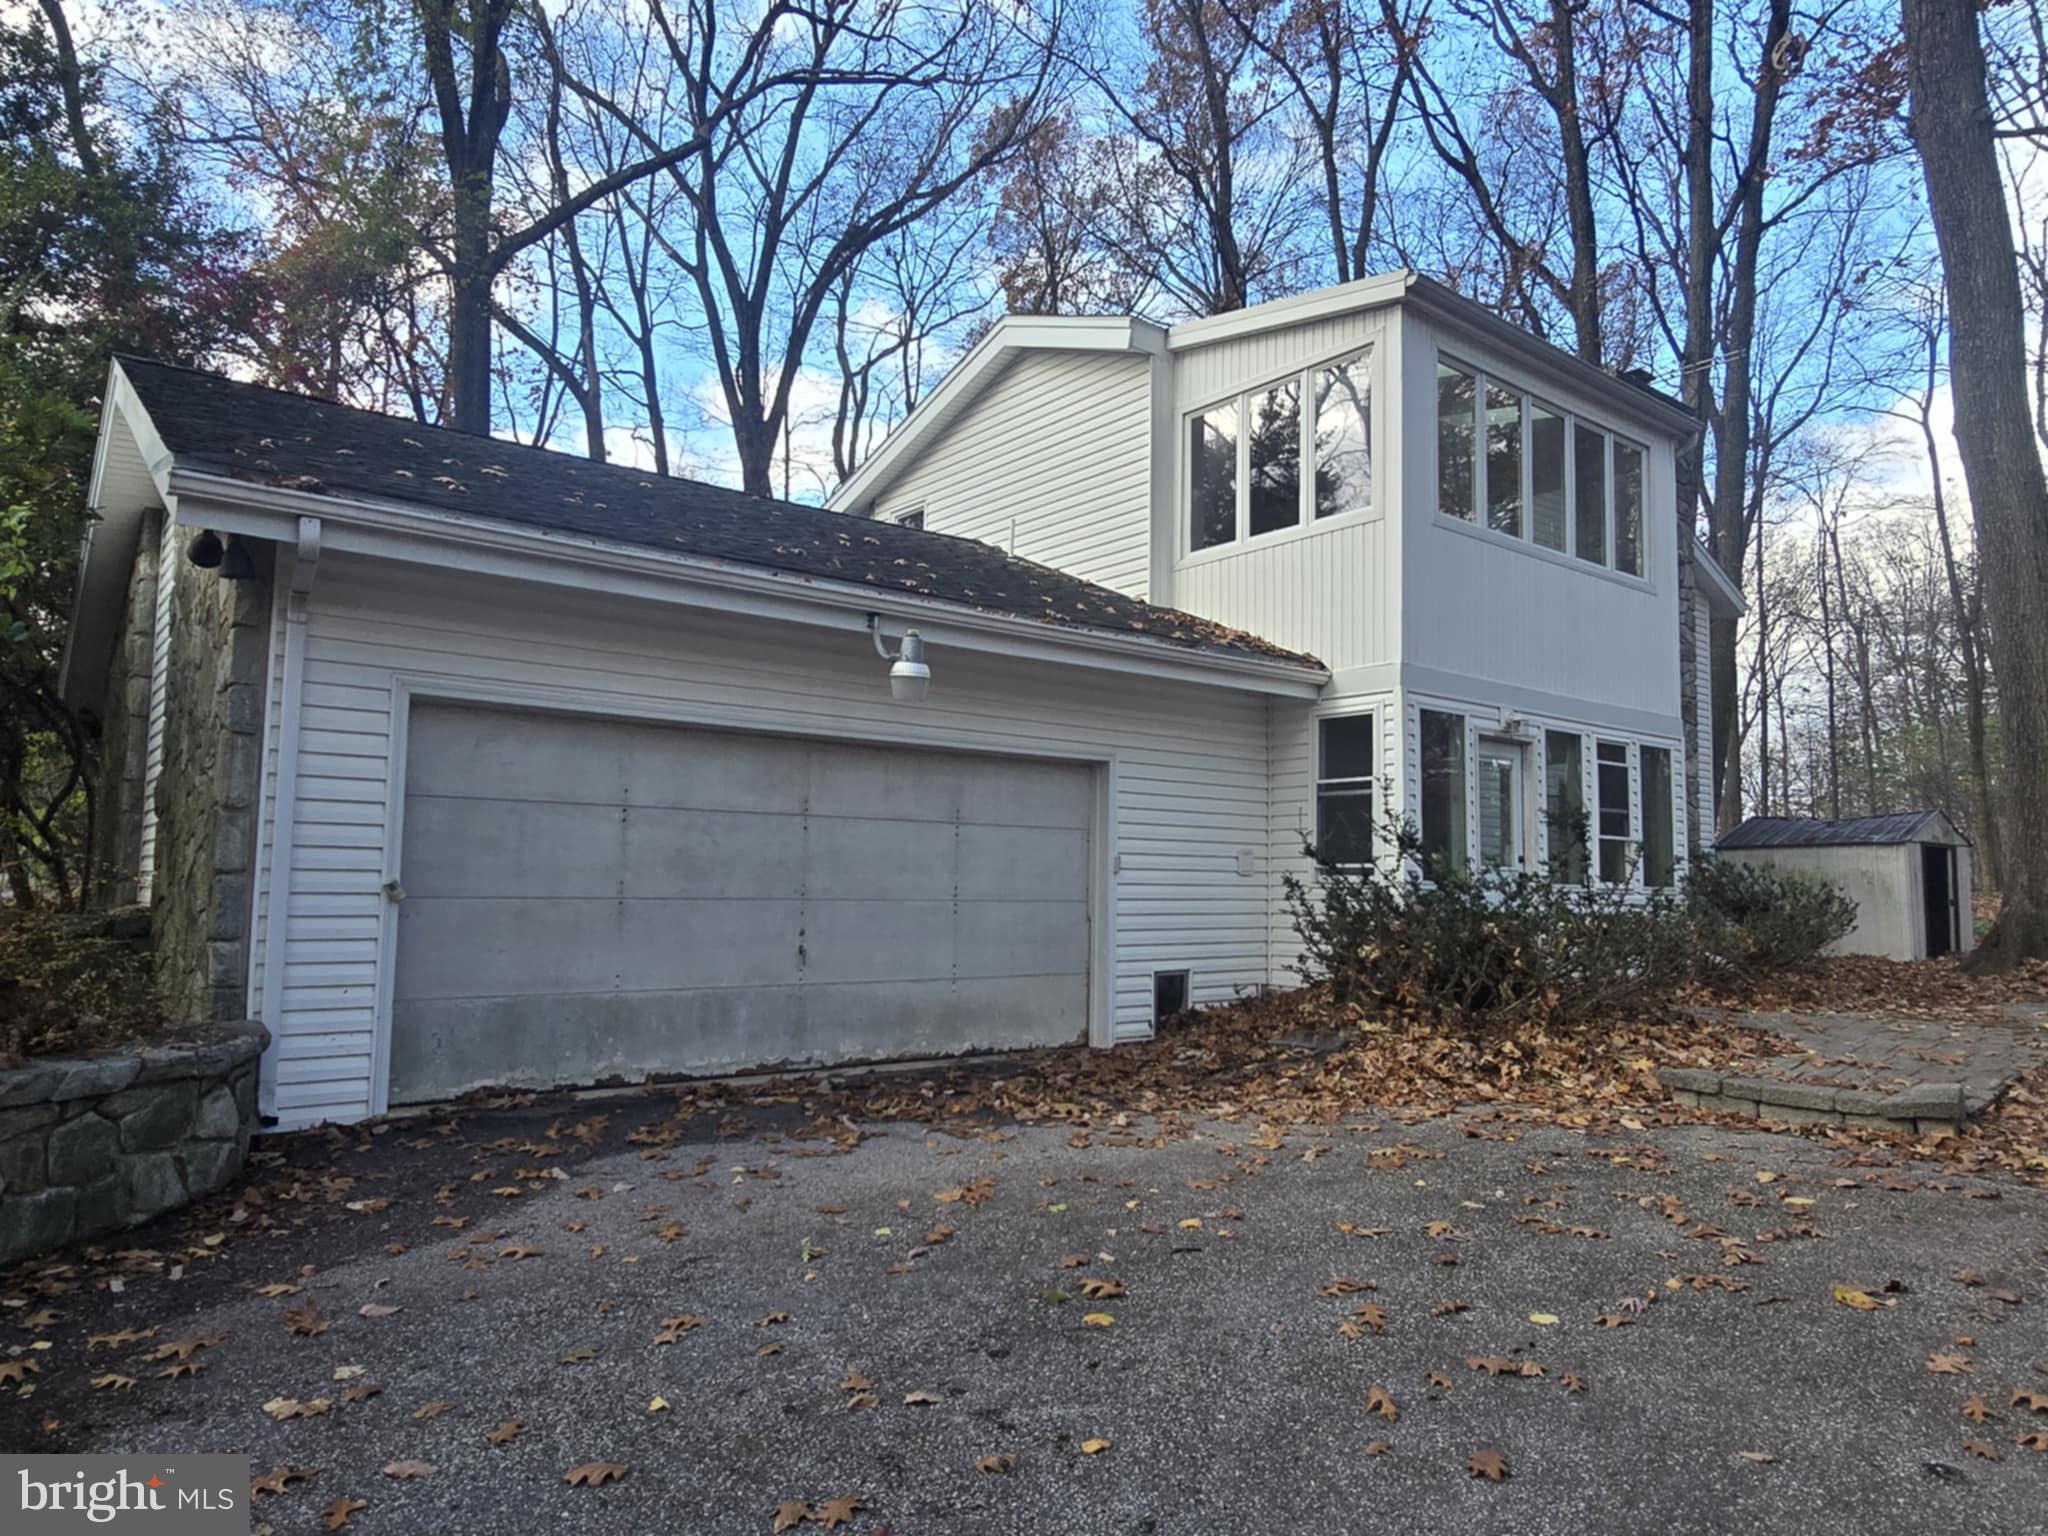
[{"x": 1810, "y": 832}]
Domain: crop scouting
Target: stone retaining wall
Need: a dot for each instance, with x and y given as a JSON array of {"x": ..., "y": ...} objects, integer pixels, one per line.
[
  {"x": 90, "y": 1145},
  {"x": 1923, "y": 1109}
]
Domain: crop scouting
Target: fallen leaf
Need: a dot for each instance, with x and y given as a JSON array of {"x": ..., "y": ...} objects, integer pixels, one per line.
[
  {"x": 594, "y": 1474},
  {"x": 834, "y": 1513},
  {"x": 284, "y": 1408},
  {"x": 657, "y": 1404},
  {"x": 2033, "y": 1440},
  {"x": 1377, "y": 1447},
  {"x": 277, "y": 1479},
  {"x": 1001, "y": 1462},
  {"x": 1862, "y": 1301},
  {"x": 409, "y": 1469},
  {"x": 1763, "y": 1458},
  {"x": 377, "y": 1309},
  {"x": 1488, "y": 1464},
  {"x": 1949, "y": 1365},
  {"x": 335, "y": 1515},
  {"x": 1380, "y": 1402},
  {"x": 1102, "y": 1290},
  {"x": 112, "y": 1382},
  {"x": 1976, "y": 1410},
  {"x": 432, "y": 1410},
  {"x": 304, "y": 1321},
  {"x": 921, "y": 1399},
  {"x": 577, "y": 1354},
  {"x": 1983, "y": 1450},
  {"x": 506, "y": 1432},
  {"x": 673, "y": 1328},
  {"x": 790, "y": 1512},
  {"x": 1095, "y": 1447},
  {"x": 1543, "y": 1319},
  {"x": 1097, "y": 1320}
]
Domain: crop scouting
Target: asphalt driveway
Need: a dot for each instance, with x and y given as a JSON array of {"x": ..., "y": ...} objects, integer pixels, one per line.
[{"x": 875, "y": 1319}]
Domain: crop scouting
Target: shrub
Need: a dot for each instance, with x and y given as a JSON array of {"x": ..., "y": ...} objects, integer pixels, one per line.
[
  {"x": 67, "y": 984},
  {"x": 1495, "y": 947},
  {"x": 1752, "y": 922}
]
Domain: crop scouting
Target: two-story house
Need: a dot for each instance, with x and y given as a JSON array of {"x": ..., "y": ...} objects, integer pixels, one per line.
[
  {"x": 1476, "y": 533},
  {"x": 460, "y": 763}
]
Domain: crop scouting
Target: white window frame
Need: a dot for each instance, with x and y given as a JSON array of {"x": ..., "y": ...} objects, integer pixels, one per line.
[
  {"x": 1370, "y": 782},
  {"x": 1477, "y": 524},
  {"x": 902, "y": 519},
  {"x": 1303, "y": 377},
  {"x": 1631, "y": 764}
]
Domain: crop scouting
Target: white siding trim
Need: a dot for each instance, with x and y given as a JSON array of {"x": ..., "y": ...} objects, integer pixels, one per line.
[{"x": 159, "y": 687}]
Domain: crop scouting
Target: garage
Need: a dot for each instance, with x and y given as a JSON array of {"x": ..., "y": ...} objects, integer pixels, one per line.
[{"x": 592, "y": 899}]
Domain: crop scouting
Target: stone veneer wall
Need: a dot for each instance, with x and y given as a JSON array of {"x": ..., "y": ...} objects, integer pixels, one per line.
[
  {"x": 92, "y": 1145},
  {"x": 124, "y": 732},
  {"x": 208, "y": 788}
]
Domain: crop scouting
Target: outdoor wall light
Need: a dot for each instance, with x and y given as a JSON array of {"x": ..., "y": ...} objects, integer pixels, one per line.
[{"x": 910, "y": 679}]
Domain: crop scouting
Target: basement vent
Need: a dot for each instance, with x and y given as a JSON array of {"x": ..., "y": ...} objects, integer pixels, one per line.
[{"x": 1169, "y": 995}]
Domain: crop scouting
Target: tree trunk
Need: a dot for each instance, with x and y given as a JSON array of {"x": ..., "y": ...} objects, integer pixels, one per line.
[{"x": 1951, "y": 122}]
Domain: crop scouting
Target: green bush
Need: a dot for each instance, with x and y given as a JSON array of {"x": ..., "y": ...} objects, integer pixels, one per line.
[
  {"x": 67, "y": 984},
  {"x": 1752, "y": 922},
  {"x": 1496, "y": 947}
]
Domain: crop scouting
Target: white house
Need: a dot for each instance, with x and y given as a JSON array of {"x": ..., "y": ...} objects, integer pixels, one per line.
[{"x": 459, "y": 763}]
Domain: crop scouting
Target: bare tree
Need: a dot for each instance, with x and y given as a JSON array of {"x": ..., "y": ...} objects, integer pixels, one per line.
[{"x": 1955, "y": 134}]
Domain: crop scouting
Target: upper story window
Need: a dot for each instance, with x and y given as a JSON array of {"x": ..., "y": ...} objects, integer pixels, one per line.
[
  {"x": 1531, "y": 471},
  {"x": 1281, "y": 455},
  {"x": 914, "y": 518}
]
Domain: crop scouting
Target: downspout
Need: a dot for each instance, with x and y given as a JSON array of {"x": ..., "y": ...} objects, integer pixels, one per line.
[{"x": 277, "y": 910}]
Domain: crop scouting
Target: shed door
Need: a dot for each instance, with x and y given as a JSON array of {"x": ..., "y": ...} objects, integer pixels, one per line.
[
  {"x": 596, "y": 899},
  {"x": 1938, "y": 888}
]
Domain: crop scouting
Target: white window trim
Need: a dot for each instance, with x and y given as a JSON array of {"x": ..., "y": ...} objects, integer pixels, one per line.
[
  {"x": 1525, "y": 540},
  {"x": 1241, "y": 538},
  {"x": 1373, "y": 782},
  {"x": 902, "y": 516}
]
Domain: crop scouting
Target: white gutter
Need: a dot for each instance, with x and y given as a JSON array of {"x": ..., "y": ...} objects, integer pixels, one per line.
[{"x": 404, "y": 532}]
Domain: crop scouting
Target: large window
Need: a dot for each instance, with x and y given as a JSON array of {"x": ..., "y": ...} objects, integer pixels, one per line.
[
  {"x": 1443, "y": 792},
  {"x": 1212, "y": 475},
  {"x": 1281, "y": 455},
  {"x": 1564, "y": 804},
  {"x": 1344, "y": 789},
  {"x": 1457, "y": 394},
  {"x": 1660, "y": 861},
  {"x": 1616, "y": 815},
  {"x": 1527, "y": 470}
]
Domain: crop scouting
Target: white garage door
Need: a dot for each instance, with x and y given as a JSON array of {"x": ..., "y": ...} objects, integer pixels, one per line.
[{"x": 595, "y": 899}]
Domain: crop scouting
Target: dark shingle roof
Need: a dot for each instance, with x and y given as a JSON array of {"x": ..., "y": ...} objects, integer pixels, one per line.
[
  {"x": 1805, "y": 832},
  {"x": 273, "y": 437}
]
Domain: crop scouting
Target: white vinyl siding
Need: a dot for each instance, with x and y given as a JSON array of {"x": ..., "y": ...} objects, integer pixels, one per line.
[
  {"x": 1188, "y": 782},
  {"x": 159, "y": 682},
  {"x": 1053, "y": 463}
]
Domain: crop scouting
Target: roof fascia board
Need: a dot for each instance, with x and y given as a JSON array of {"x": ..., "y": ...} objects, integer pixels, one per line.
[
  {"x": 1724, "y": 598},
  {"x": 99, "y": 592},
  {"x": 1008, "y": 337},
  {"x": 1364, "y": 293},
  {"x": 399, "y": 532}
]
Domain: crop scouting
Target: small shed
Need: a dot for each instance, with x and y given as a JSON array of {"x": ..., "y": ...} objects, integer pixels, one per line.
[{"x": 1909, "y": 875}]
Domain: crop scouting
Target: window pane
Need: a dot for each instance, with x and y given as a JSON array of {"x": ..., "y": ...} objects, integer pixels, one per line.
[
  {"x": 1443, "y": 791},
  {"x": 1212, "y": 476},
  {"x": 914, "y": 519},
  {"x": 1546, "y": 477},
  {"x": 1456, "y": 398},
  {"x": 1500, "y": 813},
  {"x": 1659, "y": 862},
  {"x": 1628, "y": 509},
  {"x": 1344, "y": 826},
  {"x": 1589, "y": 494},
  {"x": 1343, "y": 438},
  {"x": 1611, "y": 780},
  {"x": 1503, "y": 460},
  {"x": 1564, "y": 804},
  {"x": 1276, "y": 458},
  {"x": 1347, "y": 748}
]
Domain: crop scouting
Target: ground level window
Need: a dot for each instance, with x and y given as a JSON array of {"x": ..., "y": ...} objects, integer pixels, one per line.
[
  {"x": 1660, "y": 860},
  {"x": 1443, "y": 792},
  {"x": 1564, "y": 804},
  {"x": 1611, "y": 780},
  {"x": 1344, "y": 790}
]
